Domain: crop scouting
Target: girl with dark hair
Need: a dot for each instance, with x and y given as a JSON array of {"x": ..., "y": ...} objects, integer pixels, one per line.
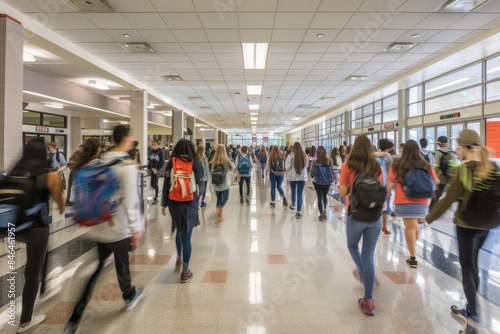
[
  {"x": 362, "y": 161},
  {"x": 35, "y": 165},
  {"x": 276, "y": 175},
  {"x": 342, "y": 153},
  {"x": 296, "y": 172},
  {"x": 321, "y": 186},
  {"x": 410, "y": 209},
  {"x": 476, "y": 172},
  {"x": 337, "y": 162},
  {"x": 184, "y": 214},
  {"x": 203, "y": 160}
]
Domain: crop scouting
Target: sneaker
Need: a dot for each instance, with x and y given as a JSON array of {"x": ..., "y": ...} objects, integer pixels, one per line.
[
  {"x": 298, "y": 215},
  {"x": 386, "y": 231},
  {"x": 185, "y": 277},
  {"x": 272, "y": 204},
  {"x": 248, "y": 201},
  {"x": 412, "y": 262},
  {"x": 285, "y": 203},
  {"x": 367, "y": 305},
  {"x": 320, "y": 217},
  {"x": 292, "y": 208},
  {"x": 357, "y": 276},
  {"x": 458, "y": 314},
  {"x": 35, "y": 320},
  {"x": 139, "y": 294},
  {"x": 155, "y": 200},
  {"x": 203, "y": 205},
  {"x": 241, "y": 200}
]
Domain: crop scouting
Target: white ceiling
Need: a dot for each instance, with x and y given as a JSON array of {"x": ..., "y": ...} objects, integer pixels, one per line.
[{"x": 200, "y": 40}]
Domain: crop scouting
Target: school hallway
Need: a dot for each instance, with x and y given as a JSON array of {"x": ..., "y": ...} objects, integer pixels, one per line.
[{"x": 263, "y": 271}]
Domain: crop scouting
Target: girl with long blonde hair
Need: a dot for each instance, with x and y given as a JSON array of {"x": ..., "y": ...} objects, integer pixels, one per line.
[{"x": 221, "y": 162}]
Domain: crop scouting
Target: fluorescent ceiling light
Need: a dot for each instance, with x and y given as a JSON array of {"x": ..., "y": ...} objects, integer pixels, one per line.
[
  {"x": 255, "y": 55},
  {"x": 271, "y": 133},
  {"x": 254, "y": 89},
  {"x": 254, "y": 123},
  {"x": 447, "y": 85},
  {"x": 150, "y": 106},
  {"x": 97, "y": 84},
  {"x": 254, "y": 118},
  {"x": 288, "y": 123},
  {"x": 254, "y": 114},
  {"x": 295, "y": 118},
  {"x": 253, "y": 107},
  {"x": 28, "y": 57},
  {"x": 54, "y": 105}
]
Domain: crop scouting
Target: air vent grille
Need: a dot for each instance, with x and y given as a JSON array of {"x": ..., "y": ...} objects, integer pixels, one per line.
[{"x": 91, "y": 6}]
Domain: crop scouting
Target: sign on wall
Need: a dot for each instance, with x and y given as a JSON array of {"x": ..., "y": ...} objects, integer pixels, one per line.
[{"x": 493, "y": 137}]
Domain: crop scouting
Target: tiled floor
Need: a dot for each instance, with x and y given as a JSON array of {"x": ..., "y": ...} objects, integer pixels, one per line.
[{"x": 263, "y": 271}]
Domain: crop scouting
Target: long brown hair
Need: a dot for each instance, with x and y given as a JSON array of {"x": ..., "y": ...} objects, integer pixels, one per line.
[
  {"x": 221, "y": 158},
  {"x": 411, "y": 158},
  {"x": 362, "y": 159},
  {"x": 275, "y": 153},
  {"x": 322, "y": 157},
  {"x": 299, "y": 158},
  {"x": 199, "y": 152}
]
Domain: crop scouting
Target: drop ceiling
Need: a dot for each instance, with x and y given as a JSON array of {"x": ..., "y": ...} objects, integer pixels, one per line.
[{"x": 200, "y": 41}]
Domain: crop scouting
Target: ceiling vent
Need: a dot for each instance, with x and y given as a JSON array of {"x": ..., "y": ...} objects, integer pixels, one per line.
[
  {"x": 172, "y": 78},
  {"x": 400, "y": 47},
  {"x": 91, "y": 6},
  {"x": 455, "y": 6},
  {"x": 303, "y": 106},
  {"x": 195, "y": 98},
  {"x": 138, "y": 47}
]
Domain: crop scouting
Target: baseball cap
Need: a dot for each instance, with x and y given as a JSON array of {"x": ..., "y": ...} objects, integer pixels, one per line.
[
  {"x": 468, "y": 138},
  {"x": 442, "y": 140}
]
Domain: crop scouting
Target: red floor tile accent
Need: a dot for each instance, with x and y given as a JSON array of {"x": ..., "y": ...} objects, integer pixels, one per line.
[
  {"x": 277, "y": 259},
  {"x": 215, "y": 276},
  {"x": 108, "y": 292},
  {"x": 400, "y": 277},
  {"x": 146, "y": 259},
  {"x": 59, "y": 313}
]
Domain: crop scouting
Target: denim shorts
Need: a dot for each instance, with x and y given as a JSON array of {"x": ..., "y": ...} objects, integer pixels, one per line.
[{"x": 411, "y": 210}]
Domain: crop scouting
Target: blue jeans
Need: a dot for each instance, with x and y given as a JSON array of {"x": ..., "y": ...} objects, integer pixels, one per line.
[
  {"x": 297, "y": 191},
  {"x": 222, "y": 197},
  {"x": 364, "y": 260},
  {"x": 388, "y": 210},
  {"x": 204, "y": 191},
  {"x": 276, "y": 182},
  {"x": 183, "y": 244}
]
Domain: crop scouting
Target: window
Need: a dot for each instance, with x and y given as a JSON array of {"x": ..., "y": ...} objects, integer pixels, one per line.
[
  {"x": 466, "y": 97},
  {"x": 32, "y": 118},
  {"x": 493, "y": 68},
  {"x": 458, "y": 80},
  {"x": 415, "y": 94},
  {"x": 415, "y": 134},
  {"x": 493, "y": 91},
  {"x": 43, "y": 119},
  {"x": 55, "y": 121},
  {"x": 390, "y": 102},
  {"x": 391, "y": 116}
]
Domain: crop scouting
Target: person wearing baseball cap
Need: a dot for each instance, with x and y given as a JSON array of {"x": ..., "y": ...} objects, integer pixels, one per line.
[
  {"x": 476, "y": 171},
  {"x": 443, "y": 153}
]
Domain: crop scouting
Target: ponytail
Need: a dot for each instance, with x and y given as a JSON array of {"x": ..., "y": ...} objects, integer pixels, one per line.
[{"x": 486, "y": 167}]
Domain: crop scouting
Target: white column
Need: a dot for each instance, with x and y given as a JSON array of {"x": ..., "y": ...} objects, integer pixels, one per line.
[
  {"x": 177, "y": 125},
  {"x": 139, "y": 121},
  {"x": 402, "y": 115},
  {"x": 75, "y": 137},
  {"x": 11, "y": 92}
]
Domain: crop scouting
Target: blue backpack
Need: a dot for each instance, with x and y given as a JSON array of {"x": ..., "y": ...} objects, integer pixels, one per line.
[
  {"x": 418, "y": 183},
  {"x": 243, "y": 165},
  {"x": 323, "y": 175},
  {"x": 95, "y": 186},
  {"x": 382, "y": 163}
]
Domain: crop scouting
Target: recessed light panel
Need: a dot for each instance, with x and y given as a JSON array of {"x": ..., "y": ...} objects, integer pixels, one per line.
[
  {"x": 461, "y": 5},
  {"x": 254, "y": 90},
  {"x": 172, "y": 78},
  {"x": 400, "y": 47},
  {"x": 138, "y": 47}
]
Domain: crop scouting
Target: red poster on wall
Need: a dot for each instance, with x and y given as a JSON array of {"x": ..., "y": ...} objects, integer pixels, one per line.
[{"x": 493, "y": 136}]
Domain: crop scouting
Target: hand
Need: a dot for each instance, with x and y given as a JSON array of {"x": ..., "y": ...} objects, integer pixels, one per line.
[
  {"x": 154, "y": 170},
  {"x": 164, "y": 211},
  {"x": 135, "y": 241}
]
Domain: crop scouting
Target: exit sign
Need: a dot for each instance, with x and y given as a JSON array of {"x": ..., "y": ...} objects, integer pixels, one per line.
[{"x": 454, "y": 115}]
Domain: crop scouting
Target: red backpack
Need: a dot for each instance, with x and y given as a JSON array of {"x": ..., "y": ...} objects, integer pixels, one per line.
[{"x": 182, "y": 181}]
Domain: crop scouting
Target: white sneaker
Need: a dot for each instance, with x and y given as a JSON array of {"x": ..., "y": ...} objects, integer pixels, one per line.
[{"x": 35, "y": 320}]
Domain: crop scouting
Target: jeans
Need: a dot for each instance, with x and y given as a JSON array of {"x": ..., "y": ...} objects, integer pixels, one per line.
[
  {"x": 120, "y": 250},
  {"x": 322, "y": 192},
  {"x": 183, "y": 244},
  {"x": 297, "y": 191},
  {"x": 222, "y": 197},
  {"x": 204, "y": 191},
  {"x": 388, "y": 210},
  {"x": 244, "y": 179},
  {"x": 469, "y": 243},
  {"x": 154, "y": 183},
  {"x": 276, "y": 183},
  {"x": 364, "y": 260},
  {"x": 36, "y": 240}
]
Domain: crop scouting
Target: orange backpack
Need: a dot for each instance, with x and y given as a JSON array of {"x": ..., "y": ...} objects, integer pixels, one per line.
[{"x": 182, "y": 181}]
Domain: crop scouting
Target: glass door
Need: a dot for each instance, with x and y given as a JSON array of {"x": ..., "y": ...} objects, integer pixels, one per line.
[{"x": 456, "y": 129}]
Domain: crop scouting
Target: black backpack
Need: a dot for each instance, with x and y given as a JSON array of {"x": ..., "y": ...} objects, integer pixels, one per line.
[
  {"x": 23, "y": 202},
  {"x": 483, "y": 208},
  {"x": 218, "y": 175},
  {"x": 426, "y": 157},
  {"x": 263, "y": 158},
  {"x": 278, "y": 166},
  {"x": 367, "y": 199}
]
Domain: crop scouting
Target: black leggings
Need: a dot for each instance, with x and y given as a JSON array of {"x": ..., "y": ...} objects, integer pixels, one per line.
[
  {"x": 469, "y": 243},
  {"x": 36, "y": 240},
  {"x": 245, "y": 179},
  {"x": 322, "y": 192},
  {"x": 154, "y": 183},
  {"x": 120, "y": 249}
]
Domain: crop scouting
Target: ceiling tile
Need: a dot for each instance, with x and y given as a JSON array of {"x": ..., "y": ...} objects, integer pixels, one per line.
[
  {"x": 181, "y": 20},
  {"x": 223, "y": 35},
  {"x": 190, "y": 36},
  {"x": 298, "y": 5},
  {"x": 196, "y": 47},
  {"x": 310, "y": 56},
  {"x": 255, "y": 35},
  {"x": 293, "y": 20},
  {"x": 201, "y": 57},
  {"x": 70, "y": 20},
  {"x": 314, "y": 47},
  {"x": 169, "y": 6},
  {"x": 351, "y": 36},
  {"x": 206, "y": 65},
  {"x": 380, "y": 6},
  {"x": 230, "y": 65},
  {"x": 221, "y": 57},
  {"x": 329, "y": 35},
  {"x": 414, "y": 57},
  {"x": 91, "y": 35},
  {"x": 119, "y": 57},
  {"x": 288, "y": 35},
  {"x": 386, "y": 35},
  {"x": 226, "y": 47},
  {"x": 423, "y": 6},
  {"x": 449, "y": 36},
  {"x": 303, "y": 65},
  {"x": 283, "y": 47},
  {"x": 157, "y": 35},
  {"x": 256, "y": 20},
  {"x": 167, "y": 47},
  {"x": 429, "y": 47},
  {"x": 216, "y": 21},
  {"x": 117, "y": 35},
  {"x": 281, "y": 56},
  {"x": 220, "y": 7},
  {"x": 108, "y": 20},
  {"x": 438, "y": 20},
  {"x": 424, "y": 35},
  {"x": 327, "y": 65},
  {"x": 278, "y": 65},
  {"x": 366, "y": 22},
  {"x": 330, "y": 20},
  {"x": 339, "y": 6},
  {"x": 403, "y": 21},
  {"x": 173, "y": 57},
  {"x": 371, "y": 47},
  {"x": 130, "y": 6},
  {"x": 257, "y": 5},
  {"x": 474, "y": 21},
  {"x": 109, "y": 47}
]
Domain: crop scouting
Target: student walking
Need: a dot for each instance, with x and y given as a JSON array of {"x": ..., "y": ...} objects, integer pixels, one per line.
[
  {"x": 263, "y": 157},
  {"x": 183, "y": 205},
  {"x": 445, "y": 164},
  {"x": 124, "y": 234},
  {"x": 221, "y": 167},
  {"x": 156, "y": 161},
  {"x": 276, "y": 174},
  {"x": 244, "y": 166},
  {"x": 414, "y": 180},
  {"x": 296, "y": 172},
  {"x": 203, "y": 160},
  {"x": 472, "y": 183},
  {"x": 362, "y": 176},
  {"x": 385, "y": 160},
  {"x": 322, "y": 173}
]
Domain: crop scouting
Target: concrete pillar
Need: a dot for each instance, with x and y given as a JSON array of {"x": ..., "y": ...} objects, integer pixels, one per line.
[
  {"x": 216, "y": 137},
  {"x": 139, "y": 121},
  {"x": 177, "y": 125},
  {"x": 190, "y": 122},
  {"x": 402, "y": 115},
  {"x": 75, "y": 137},
  {"x": 11, "y": 92}
]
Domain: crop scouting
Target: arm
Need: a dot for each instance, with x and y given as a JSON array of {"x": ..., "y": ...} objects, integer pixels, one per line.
[
  {"x": 313, "y": 168},
  {"x": 55, "y": 189},
  {"x": 454, "y": 192},
  {"x": 344, "y": 181},
  {"x": 166, "y": 187},
  {"x": 62, "y": 163},
  {"x": 392, "y": 181}
]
